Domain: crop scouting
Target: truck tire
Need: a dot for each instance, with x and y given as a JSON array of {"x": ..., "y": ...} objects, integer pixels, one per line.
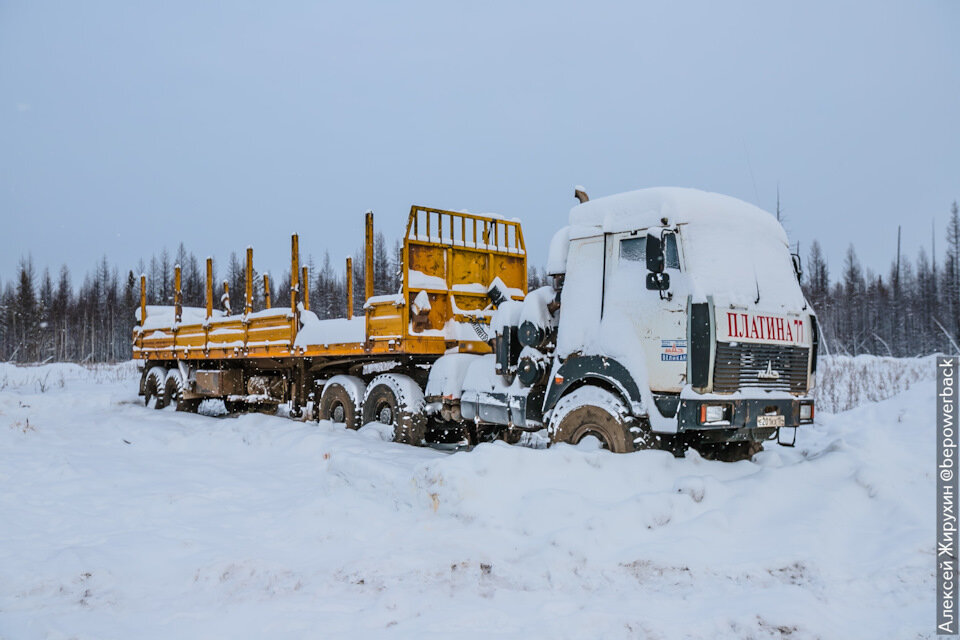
[
  {"x": 173, "y": 393},
  {"x": 172, "y": 388},
  {"x": 592, "y": 411},
  {"x": 342, "y": 401},
  {"x": 154, "y": 386},
  {"x": 397, "y": 400}
]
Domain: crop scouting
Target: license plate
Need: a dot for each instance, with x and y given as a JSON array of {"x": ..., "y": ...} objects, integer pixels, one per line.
[{"x": 771, "y": 421}]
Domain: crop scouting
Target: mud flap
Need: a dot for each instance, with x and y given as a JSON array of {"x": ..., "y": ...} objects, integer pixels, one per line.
[{"x": 781, "y": 436}]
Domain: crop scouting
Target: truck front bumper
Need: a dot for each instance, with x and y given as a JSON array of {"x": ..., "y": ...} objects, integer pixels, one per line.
[{"x": 753, "y": 419}]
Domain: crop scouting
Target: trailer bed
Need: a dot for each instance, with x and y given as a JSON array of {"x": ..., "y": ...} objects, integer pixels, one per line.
[{"x": 449, "y": 261}]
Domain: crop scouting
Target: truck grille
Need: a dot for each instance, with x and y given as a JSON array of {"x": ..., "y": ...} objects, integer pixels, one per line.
[{"x": 750, "y": 365}]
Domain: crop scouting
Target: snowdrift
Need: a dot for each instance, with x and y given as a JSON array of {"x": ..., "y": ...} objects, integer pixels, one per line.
[{"x": 118, "y": 521}]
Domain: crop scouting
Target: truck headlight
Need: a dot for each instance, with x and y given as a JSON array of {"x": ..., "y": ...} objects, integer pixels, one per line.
[
  {"x": 806, "y": 412},
  {"x": 714, "y": 413}
]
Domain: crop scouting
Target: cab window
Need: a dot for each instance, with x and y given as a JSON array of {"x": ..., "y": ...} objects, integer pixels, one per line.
[{"x": 635, "y": 250}]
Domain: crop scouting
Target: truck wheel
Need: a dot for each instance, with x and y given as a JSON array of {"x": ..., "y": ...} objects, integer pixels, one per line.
[
  {"x": 154, "y": 386},
  {"x": 396, "y": 399},
  {"x": 342, "y": 401},
  {"x": 172, "y": 388},
  {"x": 173, "y": 393},
  {"x": 592, "y": 411}
]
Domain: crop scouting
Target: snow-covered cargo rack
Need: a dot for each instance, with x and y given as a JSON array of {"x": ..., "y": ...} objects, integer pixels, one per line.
[{"x": 449, "y": 261}]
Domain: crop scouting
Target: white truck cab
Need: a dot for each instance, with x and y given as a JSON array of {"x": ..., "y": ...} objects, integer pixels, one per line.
[{"x": 678, "y": 316}]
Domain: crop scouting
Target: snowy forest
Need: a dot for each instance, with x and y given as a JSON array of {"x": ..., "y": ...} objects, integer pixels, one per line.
[{"x": 913, "y": 309}]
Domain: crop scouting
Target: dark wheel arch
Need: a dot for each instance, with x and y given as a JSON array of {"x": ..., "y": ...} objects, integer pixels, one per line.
[{"x": 600, "y": 371}]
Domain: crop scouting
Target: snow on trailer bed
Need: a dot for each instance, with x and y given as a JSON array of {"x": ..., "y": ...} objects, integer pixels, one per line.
[
  {"x": 450, "y": 260},
  {"x": 119, "y": 521}
]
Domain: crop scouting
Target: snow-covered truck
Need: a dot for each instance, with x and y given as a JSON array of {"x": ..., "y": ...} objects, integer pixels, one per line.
[{"x": 674, "y": 318}]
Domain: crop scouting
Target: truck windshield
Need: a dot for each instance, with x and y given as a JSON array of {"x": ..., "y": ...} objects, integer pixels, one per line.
[{"x": 635, "y": 250}]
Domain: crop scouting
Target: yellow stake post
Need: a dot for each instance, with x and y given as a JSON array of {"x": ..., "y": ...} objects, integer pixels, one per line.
[
  {"x": 368, "y": 258},
  {"x": 294, "y": 287},
  {"x": 294, "y": 271},
  {"x": 226, "y": 297},
  {"x": 248, "y": 297},
  {"x": 349, "y": 288},
  {"x": 209, "y": 287},
  {"x": 177, "y": 295},
  {"x": 143, "y": 299},
  {"x": 305, "y": 282}
]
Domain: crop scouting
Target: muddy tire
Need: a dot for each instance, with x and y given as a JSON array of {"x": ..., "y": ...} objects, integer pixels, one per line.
[
  {"x": 154, "y": 384},
  {"x": 341, "y": 401},
  {"x": 173, "y": 392},
  {"x": 592, "y": 411},
  {"x": 172, "y": 388},
  {"x": 396, "y": 400}
]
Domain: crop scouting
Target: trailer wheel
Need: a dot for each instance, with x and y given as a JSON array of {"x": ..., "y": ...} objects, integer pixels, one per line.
[
  {"x": 172, "y": 388},
  {"x": 396, "y": 400},
  {"x": 342, "y": 401},
  {"x": 592, "y": 411},
  {"x": 153, "y": 387},
  {"x": 173, "y": 392}
]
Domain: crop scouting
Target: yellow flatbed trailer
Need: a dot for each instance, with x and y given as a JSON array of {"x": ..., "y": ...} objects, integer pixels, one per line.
[{"x": 284, "y": 354}]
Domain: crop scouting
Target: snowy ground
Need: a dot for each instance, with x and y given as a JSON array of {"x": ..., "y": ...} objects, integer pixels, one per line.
[{"x": 118, "y": 522}]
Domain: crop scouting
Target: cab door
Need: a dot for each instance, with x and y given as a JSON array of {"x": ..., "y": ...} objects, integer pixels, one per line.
[{"x": 635, "y": 318}]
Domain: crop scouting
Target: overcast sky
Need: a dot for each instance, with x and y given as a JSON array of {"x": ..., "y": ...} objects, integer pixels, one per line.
[{"x": 126, "y": 127}]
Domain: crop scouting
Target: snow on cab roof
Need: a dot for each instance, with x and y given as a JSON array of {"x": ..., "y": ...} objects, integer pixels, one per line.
[{"x": 645, "y": 208}]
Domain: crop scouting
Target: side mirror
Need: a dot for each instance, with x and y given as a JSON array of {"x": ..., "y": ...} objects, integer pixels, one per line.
[
  {"x": 658, "y": 281},
  {"x": 797, "y": 266},
  {"x": 655, "y": 260}
]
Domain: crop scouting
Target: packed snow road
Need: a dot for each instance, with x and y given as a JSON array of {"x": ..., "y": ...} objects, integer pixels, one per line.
[{"x": 117, "y": 521}]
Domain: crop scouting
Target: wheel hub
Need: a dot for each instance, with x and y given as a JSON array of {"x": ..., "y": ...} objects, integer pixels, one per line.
[
  {"x": 385, "y": 415},
  {"x": 339, "y": 414}
]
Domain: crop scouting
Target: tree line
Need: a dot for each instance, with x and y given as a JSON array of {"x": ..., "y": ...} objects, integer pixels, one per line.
[
  {"x": 913, "y": 309},
  {"x": 46, "y": 317}
]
